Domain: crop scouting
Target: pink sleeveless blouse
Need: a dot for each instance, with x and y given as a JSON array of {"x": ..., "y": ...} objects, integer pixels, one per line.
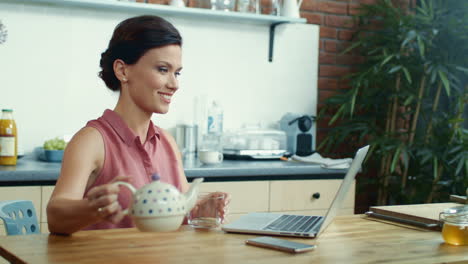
[{"x": 125, "y": 155}]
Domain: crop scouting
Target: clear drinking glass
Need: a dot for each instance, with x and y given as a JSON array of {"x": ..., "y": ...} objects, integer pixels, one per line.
[
  {"x": 270, "y": 7},
  {"x": 248, "y": 6},
  {"x": 223, "y": 5},
  {"x": 205, "y": 214}
]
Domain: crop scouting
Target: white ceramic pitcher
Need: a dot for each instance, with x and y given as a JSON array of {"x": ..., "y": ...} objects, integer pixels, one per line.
[{"x": 291, "y": 8}]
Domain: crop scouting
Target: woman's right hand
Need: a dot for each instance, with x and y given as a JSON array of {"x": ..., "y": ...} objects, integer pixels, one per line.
[{"x": 104, "y": 200}]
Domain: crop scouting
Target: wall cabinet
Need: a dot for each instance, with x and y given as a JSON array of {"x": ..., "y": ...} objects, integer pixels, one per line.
[{"x": 309, "y": 197}]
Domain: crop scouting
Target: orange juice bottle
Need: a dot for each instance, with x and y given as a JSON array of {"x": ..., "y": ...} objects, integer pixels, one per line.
[{"x": 8, "y": 138}]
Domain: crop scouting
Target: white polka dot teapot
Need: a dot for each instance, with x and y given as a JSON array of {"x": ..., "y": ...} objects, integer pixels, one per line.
[{"x": 159, "y": 206}]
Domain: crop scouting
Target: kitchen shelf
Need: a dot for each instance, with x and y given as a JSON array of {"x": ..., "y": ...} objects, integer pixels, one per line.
[
  {"x": 182, "y": 12},
  {"x": 200, "y": 13}
]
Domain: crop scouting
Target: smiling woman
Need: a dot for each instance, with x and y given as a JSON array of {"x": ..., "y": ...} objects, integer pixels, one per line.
[{"x": 142, "y": 62}]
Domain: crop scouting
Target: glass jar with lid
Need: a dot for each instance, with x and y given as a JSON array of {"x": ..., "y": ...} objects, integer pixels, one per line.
[{"x": 455, "y": 228}]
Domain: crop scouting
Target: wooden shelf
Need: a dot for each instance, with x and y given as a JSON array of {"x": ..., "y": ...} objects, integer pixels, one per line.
[
  {"x": 187, "y": 12},
  {"x": 184, "y": 12}
]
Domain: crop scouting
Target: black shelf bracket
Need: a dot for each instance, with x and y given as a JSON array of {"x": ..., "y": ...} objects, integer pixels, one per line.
[{"x": 272, "y": 39}]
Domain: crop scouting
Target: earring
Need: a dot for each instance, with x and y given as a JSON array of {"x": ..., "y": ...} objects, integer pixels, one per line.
[{"x": 124, "y": 79}]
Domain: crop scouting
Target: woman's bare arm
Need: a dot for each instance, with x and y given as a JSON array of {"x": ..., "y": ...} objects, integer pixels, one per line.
[{"x": 67, "y": 211}]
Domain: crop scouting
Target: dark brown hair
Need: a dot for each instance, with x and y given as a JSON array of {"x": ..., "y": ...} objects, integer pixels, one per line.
[{"x": 132, "y": 38}]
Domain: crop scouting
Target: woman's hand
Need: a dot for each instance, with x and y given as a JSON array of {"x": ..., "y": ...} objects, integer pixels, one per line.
[
  {"x": 217, "y": 200},
  {"x": 104, "y": 199}
]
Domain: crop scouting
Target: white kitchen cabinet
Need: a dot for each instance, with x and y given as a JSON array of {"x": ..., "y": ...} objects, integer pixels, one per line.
[
  {"x": 306, "y": 195},
  {"x": 246, "y": 196}
]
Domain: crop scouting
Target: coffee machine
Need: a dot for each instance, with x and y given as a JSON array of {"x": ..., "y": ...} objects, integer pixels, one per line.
[{"x": 300, "y": 131}]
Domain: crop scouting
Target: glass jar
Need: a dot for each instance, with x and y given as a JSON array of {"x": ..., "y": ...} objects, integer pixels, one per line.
[
  {"x": 455, "y": 229},
  {"x": 8, "y": 138}
]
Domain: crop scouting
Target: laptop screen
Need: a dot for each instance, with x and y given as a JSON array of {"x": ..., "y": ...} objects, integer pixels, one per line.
[{"x": 344, "y": 187}]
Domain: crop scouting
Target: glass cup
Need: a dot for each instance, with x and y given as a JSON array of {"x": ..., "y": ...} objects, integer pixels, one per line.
[
  {"x": 205, "y": 214},
  {"x": 247, "y": 6},
  {"x": 223, "y": 5},
  {"x": 270, "y": 7}
]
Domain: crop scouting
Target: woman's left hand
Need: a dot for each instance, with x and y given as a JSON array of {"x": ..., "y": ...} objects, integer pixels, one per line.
[{"x": 217, "y": 200}]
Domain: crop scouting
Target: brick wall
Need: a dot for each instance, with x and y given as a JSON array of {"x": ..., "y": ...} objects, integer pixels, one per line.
[{"x": 336, "y": 30}]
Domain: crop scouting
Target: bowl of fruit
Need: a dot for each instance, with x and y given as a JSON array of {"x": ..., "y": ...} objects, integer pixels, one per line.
[{"x": 53, "y": 149}]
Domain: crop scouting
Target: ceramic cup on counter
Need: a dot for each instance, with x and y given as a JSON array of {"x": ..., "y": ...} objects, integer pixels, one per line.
[
  {"x": 210, "y": 156},
  {"x": 205, "y": 214}
]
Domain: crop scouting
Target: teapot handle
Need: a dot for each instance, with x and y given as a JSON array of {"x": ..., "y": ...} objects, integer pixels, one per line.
[{"x": 130, "y": 187}]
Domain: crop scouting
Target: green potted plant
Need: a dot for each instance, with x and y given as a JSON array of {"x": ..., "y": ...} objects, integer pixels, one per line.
[{"x": 408, "y": 100}]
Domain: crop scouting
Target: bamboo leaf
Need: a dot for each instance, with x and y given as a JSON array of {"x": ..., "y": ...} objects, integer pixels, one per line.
[
  {"x": 337, "y": 115},
  {"x": 465, "y": 70},
  {"x": 395, "y": 69},
  {"x": 435, "y": 166},
  {"x": 445, "y": 81},
  {"x": 353, "y": 46},
  {"x": 421, "y": 46},
  {"x": 353, "y": 101},
  {"x": 407, "y": 74},
  {"x": 386, "y": 60},
  {"x": 408, "y": 100},
  {"x": 396, "y": 156}
]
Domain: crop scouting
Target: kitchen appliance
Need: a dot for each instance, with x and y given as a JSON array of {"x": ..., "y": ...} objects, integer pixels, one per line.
[
  {"x": 300, "y": 130},
  {"x": 254, "y": 144},
  {"x": 187, "y": 138}
]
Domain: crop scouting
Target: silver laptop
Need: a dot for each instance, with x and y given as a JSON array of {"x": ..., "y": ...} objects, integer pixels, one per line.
[{"x": 298, "y": 225}]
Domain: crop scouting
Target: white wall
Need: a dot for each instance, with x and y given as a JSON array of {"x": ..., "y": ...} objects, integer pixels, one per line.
[{"x": 50, "y": 61}]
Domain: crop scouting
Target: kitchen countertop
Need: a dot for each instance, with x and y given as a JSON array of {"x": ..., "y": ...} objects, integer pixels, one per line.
[{"x": 30, "y": 171}]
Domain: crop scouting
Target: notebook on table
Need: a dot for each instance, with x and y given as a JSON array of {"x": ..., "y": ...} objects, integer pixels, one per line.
[{"x": 298, "y": 225}]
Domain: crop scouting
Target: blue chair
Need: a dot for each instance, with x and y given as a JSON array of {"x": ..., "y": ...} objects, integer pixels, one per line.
[{"x": 19, "y": 217}]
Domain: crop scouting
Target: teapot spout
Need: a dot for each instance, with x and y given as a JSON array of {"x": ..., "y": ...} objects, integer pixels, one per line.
[{"x": 192, "y": 194}]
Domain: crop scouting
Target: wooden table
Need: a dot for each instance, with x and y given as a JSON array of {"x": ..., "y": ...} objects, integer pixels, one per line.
[{"x": 349, "y": 239}]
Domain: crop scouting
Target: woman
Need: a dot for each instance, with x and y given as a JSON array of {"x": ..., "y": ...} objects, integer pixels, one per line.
[{"x": 142, "y": 62}]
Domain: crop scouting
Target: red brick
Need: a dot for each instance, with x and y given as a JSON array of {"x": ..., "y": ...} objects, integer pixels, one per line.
[
  {"x": 328, "y": 32},
  {"x": 327, "y": 83},
  {"x": 344, "y": 85},
  {"x": 333, "y": 8},
  {"x": 309, "y": 5},
  {"x": 348, "y": 59},
  {"x": 321, "y": 44},
  {"x": 333, "y": 71},
  {"x": 313, "y": 18},
  {"x": 343, "y": 45},
  {"x": 344, "y": 34},
  {"x": 353, "y": 9},
  {"x": 327, "y": 58},
  {"x": 330, "y": 46},
  {"x": 339, "y": 21},
  {"x": 368, "y": 2},
  {"x": 324, "y": 94}
]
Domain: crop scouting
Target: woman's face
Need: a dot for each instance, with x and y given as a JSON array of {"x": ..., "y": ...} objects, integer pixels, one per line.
[{"x": 152, "y": 81}]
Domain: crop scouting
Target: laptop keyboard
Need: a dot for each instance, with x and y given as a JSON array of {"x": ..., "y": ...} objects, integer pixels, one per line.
[{"x": 293, "y": 223}]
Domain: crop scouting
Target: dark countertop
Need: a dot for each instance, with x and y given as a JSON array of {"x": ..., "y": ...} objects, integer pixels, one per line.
[{"x": 30, "y": 171}]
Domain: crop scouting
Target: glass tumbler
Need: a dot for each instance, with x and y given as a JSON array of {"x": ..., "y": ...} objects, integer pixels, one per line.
[
  {"x": 270, "y": 7},
  {"x": 223, "y": 5},
  {"x": 248, "y": 6}
]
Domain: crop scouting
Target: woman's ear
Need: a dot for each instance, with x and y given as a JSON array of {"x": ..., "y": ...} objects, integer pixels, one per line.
[{"x": 120, "y": 70}]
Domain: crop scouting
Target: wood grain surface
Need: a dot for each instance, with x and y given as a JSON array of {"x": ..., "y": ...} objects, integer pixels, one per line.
[{"x": 349, "y": 239}]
